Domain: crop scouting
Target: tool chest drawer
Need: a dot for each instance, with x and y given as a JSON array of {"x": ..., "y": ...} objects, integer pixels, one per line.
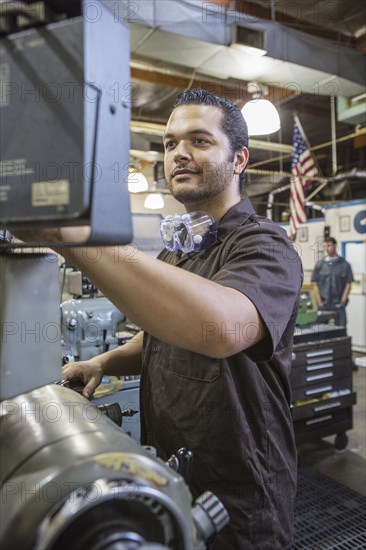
[
  {"x": 318, "y": 388},
  {"x": 323, "y": 425},
  {"x": 321, "y": 352},
  {"x": 318, "y": 332},
  {"x": 316, "y": 372},
  {"x": 318, "y": 407}
]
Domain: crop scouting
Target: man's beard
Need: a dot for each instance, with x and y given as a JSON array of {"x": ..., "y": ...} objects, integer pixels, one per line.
[{"x": 215, "y": 179}]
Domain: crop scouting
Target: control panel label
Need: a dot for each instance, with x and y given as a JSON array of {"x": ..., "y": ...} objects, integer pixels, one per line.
[{"x": 47, "y": 193}]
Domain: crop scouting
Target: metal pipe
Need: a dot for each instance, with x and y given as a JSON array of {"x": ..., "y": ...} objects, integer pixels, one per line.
[
  {"x": 316, "y": 147},
  {"x": 269, "y": 206},
  {"x": 334, "y": 136},
  {"x": 273, "y": 10},
  {"x": 271, "y": 197}
]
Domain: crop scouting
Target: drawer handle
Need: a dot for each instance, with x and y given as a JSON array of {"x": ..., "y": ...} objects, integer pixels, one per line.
[
  {"x": 319, "y": 419},
  {"x": 311, "y": 361},
  {"x": 319, "y": 352},
  {"x": 319, "y": 376},
  {"x": 320, "y": 366},
  {"x": 327, "y": 406},
  {"x": 323, "y": 389}
]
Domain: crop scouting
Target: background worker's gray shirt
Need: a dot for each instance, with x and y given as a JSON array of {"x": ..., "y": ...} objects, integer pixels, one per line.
[{"x": 332, "y": 276}]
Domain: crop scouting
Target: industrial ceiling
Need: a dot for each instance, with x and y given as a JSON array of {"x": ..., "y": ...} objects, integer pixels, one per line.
[
  {"x": 314, "y": 62},
  {"x": 315, "y": 55}
]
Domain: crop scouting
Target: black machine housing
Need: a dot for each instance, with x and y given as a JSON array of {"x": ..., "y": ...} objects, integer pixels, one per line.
[{"x": 65, "y": 138}]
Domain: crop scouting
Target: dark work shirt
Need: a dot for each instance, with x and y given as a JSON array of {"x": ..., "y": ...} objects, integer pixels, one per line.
[
  {"x": 234, "y": 413},
  {"x": 332, "y": 275}
]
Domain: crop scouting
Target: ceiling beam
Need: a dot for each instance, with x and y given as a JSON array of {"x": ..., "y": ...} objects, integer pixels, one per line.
[
  {"x": 361, "y": 43},
  {"x": 174, "y": 80},
  {"x": 234, "y": 90}
]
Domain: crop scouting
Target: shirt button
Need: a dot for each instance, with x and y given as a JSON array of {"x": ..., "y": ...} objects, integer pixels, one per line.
[{"x": 155, "y": 349}]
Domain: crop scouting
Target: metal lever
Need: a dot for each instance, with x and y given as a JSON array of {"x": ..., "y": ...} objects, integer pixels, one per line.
[
  {"x": 76, "y": 384},
  {"x": 115, "y": 413},
  {"x": 182, "y": 462}
]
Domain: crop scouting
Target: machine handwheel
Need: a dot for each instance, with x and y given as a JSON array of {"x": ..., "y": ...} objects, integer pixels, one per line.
[{"x": 341, "y": 441}]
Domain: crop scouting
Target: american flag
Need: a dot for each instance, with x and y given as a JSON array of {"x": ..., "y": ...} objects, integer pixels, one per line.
[{"x": 303, "y": 172}]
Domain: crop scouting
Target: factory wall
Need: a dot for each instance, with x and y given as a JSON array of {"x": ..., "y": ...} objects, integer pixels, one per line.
[{"x": 346, "y": 222}]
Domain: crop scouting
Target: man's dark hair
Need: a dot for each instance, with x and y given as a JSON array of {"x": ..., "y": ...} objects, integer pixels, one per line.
[
  {"x": 330, "y": 240},
  {"x": 233, "y": 124}
]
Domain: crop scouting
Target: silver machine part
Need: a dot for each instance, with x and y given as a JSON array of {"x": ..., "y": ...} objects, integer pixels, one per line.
[
  {"x": 209, "y": 514},
  {"x": 30, "y": 322},
  {"x": 70, "y": 478},
  {"x": 89, "y": 326},
  {"x": 128, "y": 398}
]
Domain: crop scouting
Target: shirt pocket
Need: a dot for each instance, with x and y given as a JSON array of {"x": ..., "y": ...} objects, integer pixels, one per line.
[{"x": 194, "y": 366}]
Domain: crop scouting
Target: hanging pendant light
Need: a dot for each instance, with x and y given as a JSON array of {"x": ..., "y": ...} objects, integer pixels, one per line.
[
  {"x": 154, "y": 201},
  {"x": 260, "y": 114},
  {"x": 261, "y": 117},
  {"x": 137, "y": 182}
]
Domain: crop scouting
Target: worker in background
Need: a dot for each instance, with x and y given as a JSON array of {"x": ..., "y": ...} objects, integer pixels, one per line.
[
  {"x": 217, "y": 323},
  {"x": 332, "y": 279}
]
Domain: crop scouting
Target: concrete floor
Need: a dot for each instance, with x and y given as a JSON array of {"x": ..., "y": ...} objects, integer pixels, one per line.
[{"x": 349, "y": 465}]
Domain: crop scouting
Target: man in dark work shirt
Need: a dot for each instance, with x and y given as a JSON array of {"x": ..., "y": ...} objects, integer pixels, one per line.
[
  {"x": 332, "y": 279},
  {"x": 217, "y": 325}
]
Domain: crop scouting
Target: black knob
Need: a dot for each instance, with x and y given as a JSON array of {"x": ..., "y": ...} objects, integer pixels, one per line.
[
  {"x": 185, "y": 460},
  {"x": 113, "y": 411}
]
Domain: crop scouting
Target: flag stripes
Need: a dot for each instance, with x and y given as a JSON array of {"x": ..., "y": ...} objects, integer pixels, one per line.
[{"x": 303, "y": 172}]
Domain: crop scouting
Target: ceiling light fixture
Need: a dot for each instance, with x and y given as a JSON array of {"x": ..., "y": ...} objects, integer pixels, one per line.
[
  {"x": 137, "y": 182},
  {"x": 260, "y": 114},
  {"x": 154, "y": 201},
  {"x": 251, "y": 50},
  {"x": 248, "y": 40}
]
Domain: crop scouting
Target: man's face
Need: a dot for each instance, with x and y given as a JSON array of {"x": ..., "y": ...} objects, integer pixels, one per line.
[
  {"x": 198, "y": 162},
  {"x": 330, "y": 249}
]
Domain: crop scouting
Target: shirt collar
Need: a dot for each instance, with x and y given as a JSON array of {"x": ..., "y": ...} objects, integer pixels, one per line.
[
  {"x": 236, "y": 216},
  {"x": 331, "y": 258}
]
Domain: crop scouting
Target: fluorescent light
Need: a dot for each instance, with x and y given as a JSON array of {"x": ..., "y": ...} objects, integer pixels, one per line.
[
  {"x": 261, "y": 117},
  {"x": 154, "y": 201},
  {"x": 137, "y": 182}
]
